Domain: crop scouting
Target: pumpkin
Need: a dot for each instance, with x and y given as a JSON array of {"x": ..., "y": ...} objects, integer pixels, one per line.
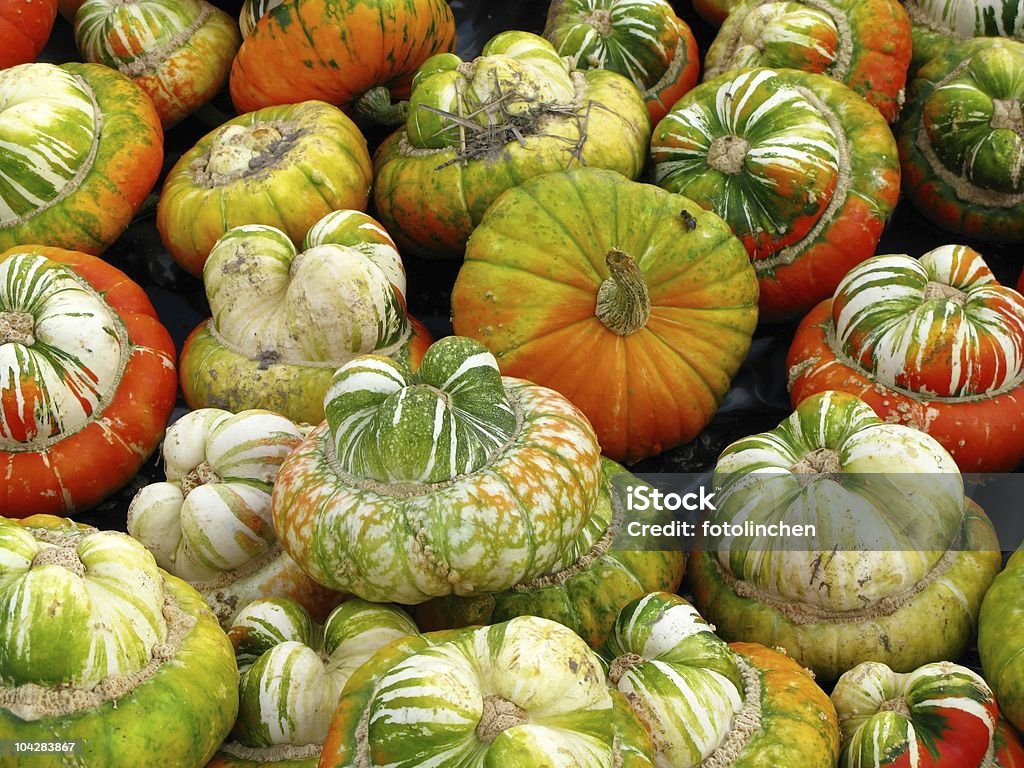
[
  {"x": 941, "y": 713},
  {"x": 285, "y": 167},
  {"x": 941, "y": 24},
  {"x": 636, "y": 304},
  {"x": 641, "y": 39},
  {"x": 452, "y": 480},
  {"x": 356, "y": 54},
  {"x": 1000, "y": 639},
  {"x": 935, "y": 343},
  {"x": 209, "y": 522},
  {"x": 709, "y": 704},
  {"x": 477, "y": 128},
  {"x": 524, "y": 692},
  {"x": 895, "y": 545},
  {"x": 293, "y": 672},
  {"x": 863, "y": 43},
  {"x": 178, "y": 51},
  {"x": 589, "y": 588},
  {"x": 252, "y": 11},
  {"x": 87, "y": 380},
  {"x": 81, "y": 147},
  {"x": 104, "y": 649},
  {"x": 25, "y": 27},
  {"x": 284, "y": 320},
  {"x": 803, "y": 169},
  {"x": 960, "y": 140},
  {"x": 1007, "y": 750},
  {"x": 714, "y": 12}
]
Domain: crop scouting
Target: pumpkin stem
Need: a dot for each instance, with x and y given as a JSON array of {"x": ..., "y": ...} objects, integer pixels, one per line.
[
  {"x": 897, "y": 705},
  {"x": 622, "y": 664},
  {"x": 65, "y": 557},
  {"x": 823, "y": 461},
  {"x": 1006, "y": 113},
  {"x": 601, "y": 21},
  {"x": 375, "y": 108},
  {"x": 17, "y": 328},
  {"x": 499, "y": 714},
  {"x": 727, "y": 153},
  {"x": 201, "y": 475},
  {"x": 934, "y": 290},
  {"x": 623, "y": 303}
]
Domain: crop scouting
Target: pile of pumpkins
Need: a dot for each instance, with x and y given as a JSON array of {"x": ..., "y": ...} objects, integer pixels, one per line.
[{"x": 373, "y": 548}]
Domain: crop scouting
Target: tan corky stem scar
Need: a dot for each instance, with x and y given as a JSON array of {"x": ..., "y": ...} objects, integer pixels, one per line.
[
  {"x": 727, "y": 153},
  {"x": 498, "y": 715},
  {"x": 17, "y": 328},
  {"x": 201, "y": 475}
]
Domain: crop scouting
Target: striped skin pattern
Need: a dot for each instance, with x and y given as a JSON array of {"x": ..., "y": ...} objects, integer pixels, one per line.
[
  {"x": 81, "y": 148},
  {"x": 252, "y": 11},
  {"x": 641, "y": 39},
  {"x": 485, "y": 531},
  {"x": 87, "y": 382},
  {"x": 354, "y": 229},
  {"x": 941, "y": 714},
  {"x": 187, "y": 698},
  {"x": 178, "y": 51},
  {"x": 309, "y": 160},
  {"x": 882, "y": 535},
  {"x": 865, "y": 44},
  {"x": 448, "y": 419},
  {"x": 686, "y": 686},
  {"x": 293, "y": 670},
  {"x": 939, "y": 24},
  {"x": 429, "y": 701},
  {"x": 106, "y": 608},
  {"x": 336, "y": 50},
  {"x": 586, "y": 600},
  {"x": 887, "y": 319},
  {"x": 960, "y": 142},
  {"x": 802, "y": 168},
  {"x": 999, "y": 639}
]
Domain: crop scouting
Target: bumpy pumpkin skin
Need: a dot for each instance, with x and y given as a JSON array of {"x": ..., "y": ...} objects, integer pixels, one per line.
[
  {"x": 960, "y": 378},
  {"x": 1001, "y": 640},
  {"x": 75, "y": 427},
  {"x": 807, "y": 215},
  {"x": 337, "y": 50},
  {"x": 84, "y": 198},
  {"x": 178, "y": 51},
  {"x": 25, "y": 26},
  {"x": 430, "y": 197},
  {"x": 537, "y": 664},
  {"x": 285, "y": 167},
  {"x": 530, "y": 285},
  {"x": 865, "y": 44},
  {"x": 938, "y": 25},
  {"x": 585, "y": 596},
  {"x": 641, "y": 39},
  {"x": 176, "y": 717},
  {"x": 959, "y": 141}
]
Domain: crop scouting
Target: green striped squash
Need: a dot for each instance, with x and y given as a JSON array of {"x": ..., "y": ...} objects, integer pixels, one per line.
[
  {"x": 940, "y": 714},
  {"x": 293, "y": 672},
  {"x": 527, "y": 692},
  {"x": 452, "y": 480},
  {"x": 103, "y": 648},
  {"x": 209, "y": 522},
  {"x": 940, "y": 24}
]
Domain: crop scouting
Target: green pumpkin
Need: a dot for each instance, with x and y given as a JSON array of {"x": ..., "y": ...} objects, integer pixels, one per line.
[
  {"x": 1001, "y": 639},
  {"x": 587, "y": 589},
  {"x": 105, "y": 649}
]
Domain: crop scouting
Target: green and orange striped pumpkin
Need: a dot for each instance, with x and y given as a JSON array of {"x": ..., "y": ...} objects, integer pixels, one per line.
[
  {"x": 802, "y": 168},
  {"x": 941, "y": 24},
  {"x": 641, "y": 39},
  {"x": 87, "y": 380},
  {"x": 80, "y": 148},
  {"x": 935, "y": 342},
  {"x": 941, "y": 714},
  {"x": 104, "y": 649},
  {"x": 178, "y": 51}
]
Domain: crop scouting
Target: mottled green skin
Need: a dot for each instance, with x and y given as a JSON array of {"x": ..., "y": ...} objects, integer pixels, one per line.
[
  {"x": 948, "y": 607},
  {"x": 934, "y": 36},
  {"x": 176, "y": 719},
  {"x": 959, "y": 172},
  {"x": 588, "y": 601},
  {"x": 1001, "y": 638}
]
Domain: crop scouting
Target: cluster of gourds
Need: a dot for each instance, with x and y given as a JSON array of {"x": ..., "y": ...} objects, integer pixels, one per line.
[{"x": 374, "y": 549}]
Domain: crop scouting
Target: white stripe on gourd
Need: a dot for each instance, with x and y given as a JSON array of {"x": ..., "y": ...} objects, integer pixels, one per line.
[
  {"x": 783, "y": 26},
  {"x": 355, "y": 229},
  {"x": 252, "y": 11},
  {"x": 213, "y": 513},
  {"x": 103, "y": 581},
  {"x": 293, "y": 671},
  {"x": 447, "y": 419},
  {"x": 72, "y": 356},
  {"x": 971, "y": 18},
  {"x": 326, "y": 303},
  {"x": 48, "y": 130},
  {"x": 895, "y": 315},
  {"x": 124, "y": 34}
]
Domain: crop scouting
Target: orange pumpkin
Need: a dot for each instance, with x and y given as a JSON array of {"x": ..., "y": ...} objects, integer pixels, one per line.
[{"x": 25, "y": 26}]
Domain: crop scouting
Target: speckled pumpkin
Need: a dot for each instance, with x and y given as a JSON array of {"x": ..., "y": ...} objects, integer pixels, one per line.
[{"x": 81, "y": 146}]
